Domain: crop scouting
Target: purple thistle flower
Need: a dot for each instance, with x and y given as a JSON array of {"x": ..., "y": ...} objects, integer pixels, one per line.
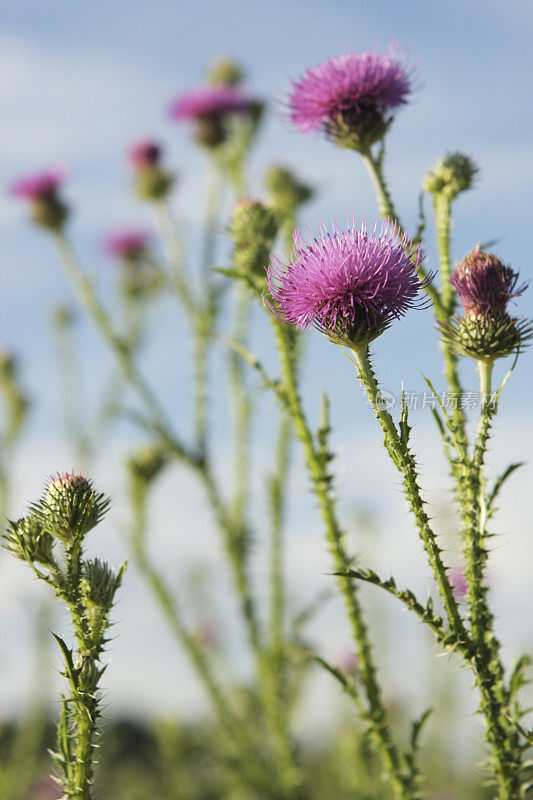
[
  {"x": 350, "y": 98},
  {"x": 350, "y": 284},
  {"x": 144, "y": 154},
  {"x": 485, "y": 284},
  {"x": 209, "y": 101},
  {"x": 38, "y": 186},
  {"x": 458, "y": 583},
  {"x": 129, "y": 245}
]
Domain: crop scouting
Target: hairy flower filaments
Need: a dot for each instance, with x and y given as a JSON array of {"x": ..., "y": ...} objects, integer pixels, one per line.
[
  {"x": 350, "y": 284},
  {"x": 351, "y": 98},
  {"x": 41, "y": 191},
  {"x": 485, "y": 286}
]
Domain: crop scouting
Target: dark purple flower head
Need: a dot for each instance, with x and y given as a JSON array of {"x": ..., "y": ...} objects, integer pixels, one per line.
[
  {"x": 129, "y": 245},
  {"x": 485, "y": 284},
  {"x": 38, "y": 186},
  {"x": 350, "y": 98},
  {"x": 144, "y": 154},
  {"x": 350, "y": 284},
  {"x": 209, "y": 101}
]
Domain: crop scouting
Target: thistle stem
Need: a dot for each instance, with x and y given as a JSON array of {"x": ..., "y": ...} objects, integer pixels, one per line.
[
  {"x": 406, "y": 465},
  {"x": 374, "y": 166},
  {"x": 321, "y": 480},
  {"x": 121, "y": 349}
]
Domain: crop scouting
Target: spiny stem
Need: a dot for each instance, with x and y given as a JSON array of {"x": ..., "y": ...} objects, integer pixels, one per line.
[
  {"x": 374, "y": 166},
  {"x": 405, "y": 463},
  {"x": 321, "y": 483}
]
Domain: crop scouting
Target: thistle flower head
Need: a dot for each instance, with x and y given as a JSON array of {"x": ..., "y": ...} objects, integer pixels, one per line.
[
  {"x": 208, "y": 101},
  {"x": 484, "y": 284},
  {"x": 350, "y": 284},
  {"x": 451, "y": 175},
  {"x": 143, "y": 154},
  {"x": 70, "y": 507},
  {"x": 351, "y": 98},
  {"x": 128, "y": 246},
  {"x": 35, "y": 187},
  {"x": 41, "y": 190},
  {"x": 209, "y": 107}
]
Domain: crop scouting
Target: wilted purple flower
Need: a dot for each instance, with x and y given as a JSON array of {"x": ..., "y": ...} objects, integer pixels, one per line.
[
  {"x": 458, "y": 583},
  {"x": 349, "y": 284},
  {"x": 144, "y": 154},
  {"x": 350, "y": 98},
  {"x": 485, "y": 284},
  {"x": 208, "y": 101},
  {"x": 35, "y": 187},
  {"x": 129, "y": 245}
]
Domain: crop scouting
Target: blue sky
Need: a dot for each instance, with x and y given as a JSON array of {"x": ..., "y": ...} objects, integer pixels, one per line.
[{"x": 82, "y": 80}]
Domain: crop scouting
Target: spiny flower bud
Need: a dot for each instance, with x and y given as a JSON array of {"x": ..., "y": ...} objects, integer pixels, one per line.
[
  {"x": 152, "y": 182},
  {"x": 99, "y": 583},
  {"x": 485, "y": 285},
  {"x": 253, "y": 229},
  {"x": 70, "y": 507},
  {"x": 27, "y": 540},
  {"x": 225, "y": 72},
  {"x": 147, "y": 462},
  {"x": 41, "y": 190},
  {"x": 88, "y": 674},
  {"x": 286, "y": 191},
  {"x": 451, "y": 175},
  {"x": 489, "y": 337}
]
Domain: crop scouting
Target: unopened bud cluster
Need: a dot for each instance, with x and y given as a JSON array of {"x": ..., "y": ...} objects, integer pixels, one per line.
[
  {"x": 253, "y": 229},
  {"x": 451, "y": 175}
]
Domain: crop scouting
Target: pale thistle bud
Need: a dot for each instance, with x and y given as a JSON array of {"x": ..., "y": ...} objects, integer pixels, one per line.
[
  {"x": 98, "y": 584},
  {"x": 253, "y": 229},
  {"x": 451, "y": 175},
  {"x": 151, "y": 180},
  {"x": 88, "y": 674},
  {"x": 70, "y": 507}
]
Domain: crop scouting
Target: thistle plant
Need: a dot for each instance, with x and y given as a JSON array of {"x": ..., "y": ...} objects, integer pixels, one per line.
[
  {"x": 352, "y": 285},
  {"x": 50, "y": 539}
]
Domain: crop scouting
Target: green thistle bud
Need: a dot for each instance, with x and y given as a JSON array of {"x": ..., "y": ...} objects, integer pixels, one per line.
[
  {"x": 225, "y": 72},
  {"x": 286, "y": 191},
  {"x": 253, "y": 229},
  {"x": 489, "y": 337},
  {"x": 27, "y": 540},
  {"x": 147, "y": 463},
  {"x": 88, "y": 674},
  {"x": 153, "y": 183},
  {"x": 70, "y": 507},
  {"x": 98, "y": 584},
  {"x": 451, "y": 175}
]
